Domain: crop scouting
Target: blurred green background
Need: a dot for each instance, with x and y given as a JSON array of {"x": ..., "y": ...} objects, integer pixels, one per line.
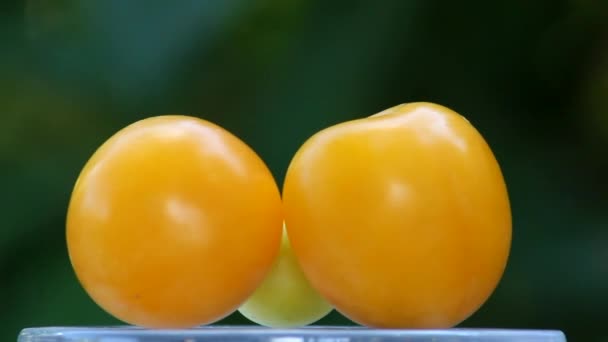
[{"x": 532, "y": 76}]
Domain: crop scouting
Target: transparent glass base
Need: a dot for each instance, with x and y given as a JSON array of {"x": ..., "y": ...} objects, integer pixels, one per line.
[{"x": 261, "y": 334}]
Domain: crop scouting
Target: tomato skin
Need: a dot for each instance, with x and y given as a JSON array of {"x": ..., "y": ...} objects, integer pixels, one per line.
[
  {"x": 285, "y": 299},
  {"x": 401, "y": 219},
  {"x": 173, "y": 223}
]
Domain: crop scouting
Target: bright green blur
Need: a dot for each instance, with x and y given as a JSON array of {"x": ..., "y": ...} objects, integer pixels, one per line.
[{"x": 285, "y": 299}]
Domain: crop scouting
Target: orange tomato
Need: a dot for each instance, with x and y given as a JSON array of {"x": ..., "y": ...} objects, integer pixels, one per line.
[
  {"x": 400, "y": 220},
  {"x": 173, "y": 222}
]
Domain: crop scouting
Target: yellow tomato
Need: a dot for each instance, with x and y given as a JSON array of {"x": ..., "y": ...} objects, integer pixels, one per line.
[
  {"x": 173, "y": 222},
  {"x": 285, "y": 298},
  {"x": 401, "y": 219}
]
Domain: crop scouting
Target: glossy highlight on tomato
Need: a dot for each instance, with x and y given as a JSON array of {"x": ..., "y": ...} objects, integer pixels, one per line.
[
  {"x": 401, "y": 219},
  {"x": 173, "y": 223}
]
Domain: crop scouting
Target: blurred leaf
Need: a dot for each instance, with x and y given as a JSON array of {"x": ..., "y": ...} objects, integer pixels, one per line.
[{"x": 57, "y": 20}]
